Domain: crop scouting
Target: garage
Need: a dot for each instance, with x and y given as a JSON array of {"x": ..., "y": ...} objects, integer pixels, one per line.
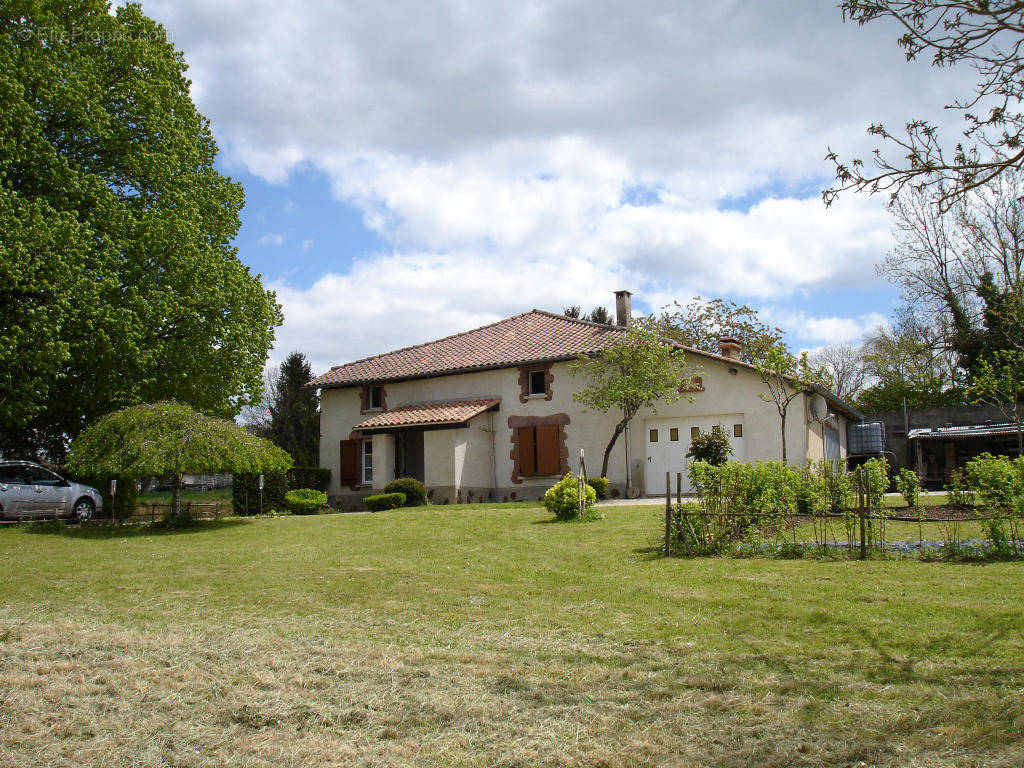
[{"x": 668, "y": 441}]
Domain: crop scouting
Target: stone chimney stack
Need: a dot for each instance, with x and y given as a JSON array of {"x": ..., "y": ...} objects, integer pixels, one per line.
[
  {"x": 623, "y": 309},
  {"x": 730, "y": 347}
]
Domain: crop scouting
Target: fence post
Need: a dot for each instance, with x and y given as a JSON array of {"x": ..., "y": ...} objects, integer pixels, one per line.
[
  {"x": 860, "y": 504},
  {"x": 668, "y": 511},
  {"x": 679, "y": 487}
]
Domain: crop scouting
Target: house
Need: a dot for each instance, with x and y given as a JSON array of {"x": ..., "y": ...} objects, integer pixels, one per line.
[{"x": 488, "y": 415}]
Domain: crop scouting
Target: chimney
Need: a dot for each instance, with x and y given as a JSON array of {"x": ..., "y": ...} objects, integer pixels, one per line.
[
  {"x": 623, "y": 309},
  {"x": 730, "y": 347}
]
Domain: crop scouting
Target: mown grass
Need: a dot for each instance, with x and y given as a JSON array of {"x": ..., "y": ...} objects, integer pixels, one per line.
[{"x": 488, "y": 636}]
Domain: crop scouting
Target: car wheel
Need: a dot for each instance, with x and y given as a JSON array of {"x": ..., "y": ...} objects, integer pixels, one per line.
[{"x": 83, "y": 510}]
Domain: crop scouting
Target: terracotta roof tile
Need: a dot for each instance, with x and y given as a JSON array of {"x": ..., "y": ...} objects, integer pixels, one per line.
[
  {"x": 530, "y": 337},
  {"x": 423, "y": 414}
]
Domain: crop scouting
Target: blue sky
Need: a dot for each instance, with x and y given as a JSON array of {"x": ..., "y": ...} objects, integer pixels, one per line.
[{"x": 413, "y": 170}]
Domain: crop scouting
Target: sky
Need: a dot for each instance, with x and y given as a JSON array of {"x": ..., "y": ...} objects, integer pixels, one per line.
[{"x": 415, "y": 169}]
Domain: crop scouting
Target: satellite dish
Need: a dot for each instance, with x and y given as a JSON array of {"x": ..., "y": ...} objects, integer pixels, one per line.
[{"x": 818, "y": 408}]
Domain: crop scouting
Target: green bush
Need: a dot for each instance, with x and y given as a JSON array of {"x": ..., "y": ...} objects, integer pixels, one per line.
[
  {"x": 836, "y": 485},
  {"x": 600, "y": 486},
  {"x": 908, "y": 485},
  {"x": 997, "y": 481},
  {"x": 381, "y": 501},
  {"x": 563, "y": 499},
  {"x": 712, "y": 447},
  {"x": 308, "y": 477},
  {"x": 747, "y": 501},
  {"x": 415, "y": 491},
  {"x": 305, "y": 501}
]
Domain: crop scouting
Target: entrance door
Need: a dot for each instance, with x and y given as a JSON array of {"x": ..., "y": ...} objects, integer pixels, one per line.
[
  {"x": 668, "y": 441},
  {"x": 409, "y": 455}
]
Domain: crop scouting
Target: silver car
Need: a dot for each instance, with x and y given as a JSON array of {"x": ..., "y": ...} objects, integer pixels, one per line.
[{"x": 29, "y": 490}]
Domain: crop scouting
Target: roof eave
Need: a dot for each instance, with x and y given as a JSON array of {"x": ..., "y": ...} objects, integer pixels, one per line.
[{"x": 452, "y": 372}]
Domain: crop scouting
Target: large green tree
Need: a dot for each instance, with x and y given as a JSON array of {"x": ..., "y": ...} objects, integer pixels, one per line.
[
  {"x": 118, "y": 281},
  {"x": 641, "y": 370}
]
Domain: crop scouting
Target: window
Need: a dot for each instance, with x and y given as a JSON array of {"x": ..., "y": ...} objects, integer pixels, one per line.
[
  {"x": 367, "y": 461},
  {"x": 737, "y": 430},
  {"x": 11, "y": 473},
  {"x": 538, "y": 383},
  {"x": 375, "y": 398},
  {"x": 694, "y": 433},
  {"x": 40, "y": 476},
  {"x": 673, "y": 434},
  {"x": 539, "y": 450},
  {"x": 654, "y": 435}
]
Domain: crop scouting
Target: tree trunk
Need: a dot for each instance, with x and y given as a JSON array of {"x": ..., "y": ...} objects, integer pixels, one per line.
[
  {"x": 611, "y": 444},
  {"x": 176, "y": 500},
  {"x": 783, "y": 415}
]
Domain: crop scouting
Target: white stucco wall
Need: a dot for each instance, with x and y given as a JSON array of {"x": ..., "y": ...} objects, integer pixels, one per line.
[{"x": 480, "y": 455}]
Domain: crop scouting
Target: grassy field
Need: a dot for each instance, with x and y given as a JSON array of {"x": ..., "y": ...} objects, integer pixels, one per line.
[{"x": 488, "y": 636}]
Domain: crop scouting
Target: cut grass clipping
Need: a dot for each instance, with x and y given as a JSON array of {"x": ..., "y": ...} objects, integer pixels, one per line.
[{"x": 486, "y": 636}]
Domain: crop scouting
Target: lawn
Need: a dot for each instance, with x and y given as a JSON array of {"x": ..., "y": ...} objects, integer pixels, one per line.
[{"x": 487, "y": 636}]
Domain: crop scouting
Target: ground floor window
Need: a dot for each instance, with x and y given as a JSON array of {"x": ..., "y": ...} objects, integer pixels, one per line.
[
  {"x": 368, "y": 461},
  {"x": 539, "y": 449}
]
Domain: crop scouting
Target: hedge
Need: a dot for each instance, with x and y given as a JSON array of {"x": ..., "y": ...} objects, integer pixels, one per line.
[
  {"x": 305, "y": 501},
  {"x": 415, "y": 491},
  {"x": 245, "y": 493},
  {"x": 382, "y": 501}
]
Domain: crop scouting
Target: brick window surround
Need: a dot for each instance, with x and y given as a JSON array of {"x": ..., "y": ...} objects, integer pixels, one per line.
[
  {"x": 516, "y": 423},
  {"x": 364, "y": 398},
  {"x": 696, "y": 384},
  {"x": 524, "y": 380}
]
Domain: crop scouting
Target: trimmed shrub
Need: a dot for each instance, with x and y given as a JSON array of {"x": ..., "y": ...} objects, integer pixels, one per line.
[
  {"x": 308, "y": 477},
  {"x": 600, "y": 486},
  {"x": 415, "y": 491},
  {"x": 563, "y": 500},
  {"x": 381, "y": 501},
  {"x": 305, "y": 501},
  {"x": 712, "y": 447}
]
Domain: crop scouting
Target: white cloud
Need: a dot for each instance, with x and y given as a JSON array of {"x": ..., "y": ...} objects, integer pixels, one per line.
[
  {"x": 824, "y": 331},
  {"x": 272, "y": 238},
  {"x": 490, "y": 146}
]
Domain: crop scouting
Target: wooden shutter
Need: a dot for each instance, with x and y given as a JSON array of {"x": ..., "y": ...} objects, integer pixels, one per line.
[
  {"x": 527, "y": 451},
  {"x": 548, "y": 459},
  {"x": 349, "y": 462}
]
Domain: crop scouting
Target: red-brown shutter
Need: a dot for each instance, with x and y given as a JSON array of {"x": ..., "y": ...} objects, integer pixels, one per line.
[
  {"x": 548, "y": 460},
  {"x": 349, "y": 462},
  {"x": 527, "y": 452}
]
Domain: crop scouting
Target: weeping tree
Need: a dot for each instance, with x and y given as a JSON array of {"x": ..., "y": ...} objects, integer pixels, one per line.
[{"x": 169, "y": 438}]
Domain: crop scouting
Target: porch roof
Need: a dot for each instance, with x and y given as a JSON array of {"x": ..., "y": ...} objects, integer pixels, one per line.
[
  {"x": 438, "y": 414},
  {"x": 962, "y": 432}
]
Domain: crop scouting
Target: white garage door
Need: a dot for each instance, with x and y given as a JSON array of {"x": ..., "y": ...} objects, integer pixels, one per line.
[{"x": 668, "y": 440}]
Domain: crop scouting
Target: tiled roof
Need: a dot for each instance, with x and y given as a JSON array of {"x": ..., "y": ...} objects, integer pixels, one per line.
[
  {"x": 530, "y": 337},
  {"x": 425, "y": 414}
]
